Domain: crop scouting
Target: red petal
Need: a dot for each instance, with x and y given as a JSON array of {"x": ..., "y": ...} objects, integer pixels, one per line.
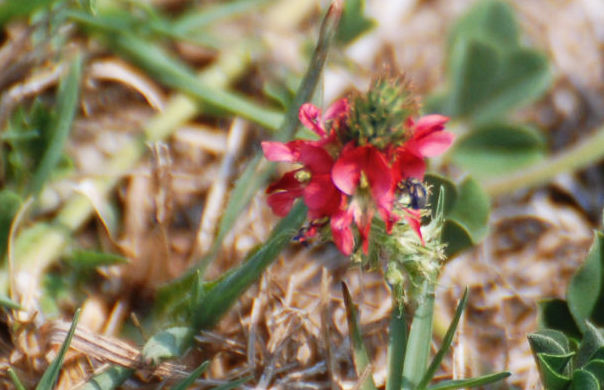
[
  {"x": 281, "y": 202},
  {"x": 346, "y": 172},
  {"x": 408, "y": 164},
  {"x": 379, "y": 175},
  {"x": 287, "y": 182},
  {"x": 341, "y": 232},
  {"x": 310, "y": 117},
  {"x": 322, "y": 197},
  {"x": 278, "y": 151},
  {"x": 317, "y": 159},
  {"x": 363, "y": 222},
  {"x": 413, "y": 218}
]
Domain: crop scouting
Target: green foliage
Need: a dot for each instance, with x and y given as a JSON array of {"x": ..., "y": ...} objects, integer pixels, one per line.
[
  {"x": 109, "y": 379},
  {"x": 359, "y": 351},
  {"x": 10, "y": 203},
  {"x": 353, "y": 23},
  {"x": 498, "y": 148},
  {"x": 188, "y": 381},
  {"x": 570, "y": 353},
  {"x": 466, "y": 211},
  {"x": 49, "y": 378},
  {"x": 88, "y": 259},
  {"x": 8, "y": 303},
  {"x": 10, "y": 10},
  {"x": 167, "y": 344},
  {"x": 489, "y": 72}
]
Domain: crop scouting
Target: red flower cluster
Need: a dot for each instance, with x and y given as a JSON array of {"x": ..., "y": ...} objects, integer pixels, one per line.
[{"x": 349, "y": 181}]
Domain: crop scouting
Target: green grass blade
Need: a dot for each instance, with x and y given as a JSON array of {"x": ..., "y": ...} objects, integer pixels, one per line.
[
  {"x": 184, "y": 385},
  {"x": 471, "y": 382},
  {"x": 67, "y": 105},
  {"x": 420, "y": 337},
  {"x": 8, "y": 303},
  {"x": 397, "y": 342},
  {"x": 49, "y": 378},
  {"x": 252, "y": 179},
  {"x": 359, "y": 351},
  {"x": 234, "y": 384},
  {"x": 109, "y": 379},
  {"x": 444, "y": 348},
  {"x": 199, "y": 19},
  {"x": 15, "y": 379},
  {"x": 167, "y": 344},
  {"x": 10, "y": 10},
  {"x": 10, "y": 203},
  {"x": 212, "y": 305}
]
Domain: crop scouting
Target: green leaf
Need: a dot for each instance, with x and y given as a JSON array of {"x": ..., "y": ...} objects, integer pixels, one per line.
[
  {"x": 555, "y": 314},
  {"x": 359, "y": 351},
  {"x": 596, "y": 367},
  {"x": 447, "y": 340},
  {"x": 353, "y": 22},
  {"x": 420, "y": 337},
  {"x": 16, "y": 381},
  {"x": 67, "y": 105},
  {"x": 397, "y": 342},
  {"x": 8, "y": 303},
  {"x": 457, "y": 238},
  {"x": 184, "y": 385},
  {"x": 552, "y": 377},
  {"x": 585, "y": 293},
  {"x": 557, "y": 363},
  {"x": 592, "y": 341},
  {"x": 471, "y": 382},
  {"x": 493, "y": 21},
  {"x": 471, "y": 211},
  {"x": 94, "y": 259},
  {"x": 584, "y": 380},
  {"x": 498, "y": 148},
  {"x": 210, "y": 308},
  {"x": 549, "y": 341},
  {"x": 49, "y": 378},
  {"x": 234, "y": 384},
  {"x": 10, "y": 203},
  {"x": 109, "y": 379},
  {"x": 167, "y": 344},
  {"x": 435, "y": 182},
  {"x": 10, "y": 10}
]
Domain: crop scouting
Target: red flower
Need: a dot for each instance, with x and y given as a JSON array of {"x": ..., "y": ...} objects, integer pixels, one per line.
[
  {"x": 365, "y": 167},
  {"x": 427, "y": 140},
  {"x": 310, "y": 117}
]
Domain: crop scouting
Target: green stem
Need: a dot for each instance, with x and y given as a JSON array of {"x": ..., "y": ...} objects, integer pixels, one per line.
[
  {"x": 397, "y": 342},
  {"x": 420, "y": 337},
  {"x": 581, "y": 155}
]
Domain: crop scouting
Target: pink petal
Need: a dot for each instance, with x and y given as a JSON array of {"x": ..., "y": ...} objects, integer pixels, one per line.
[
  {"x": 341, "y": 232},
  {"x": 278, "y": 151},
  {"x": 434, "y": 144},
  {"x": 429, "y": 124},
  {"x": 346, "y": 172},
  {"x": 310, "y": 116},
  {"x": 337, "y": 110}
]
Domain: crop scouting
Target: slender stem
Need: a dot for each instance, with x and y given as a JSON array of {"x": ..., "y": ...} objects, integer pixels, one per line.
[
  {"x": 397, "y": 342},
  {"x": 586, "y": 152},
  {"x": 420, "y": 337}
]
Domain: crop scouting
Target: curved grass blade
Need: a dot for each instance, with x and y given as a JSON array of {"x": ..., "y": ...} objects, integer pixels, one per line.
[
  {"x": 471, "y": 382},
  {"x": 221, "y": 296},
  {"x": 397, "y": 342},
  {"x": 67, "y": 105},
  {"x": 15, "y": 379},
  {"x": 359, "y": 351},
  {"x": 49, "y": 378},
  {"x": 184, "y": 385},
  {"x": 109, "y": 379},
  {"x": 444, "y": 348}
]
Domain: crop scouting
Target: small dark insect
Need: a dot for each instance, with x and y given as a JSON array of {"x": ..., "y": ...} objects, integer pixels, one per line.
[
  {"x": 416, "y": 192},
  {"x": 308, "y": 232}
]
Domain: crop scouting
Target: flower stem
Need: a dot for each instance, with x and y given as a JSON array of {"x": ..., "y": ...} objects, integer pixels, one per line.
[
  {"x": 397, "y": 342},
  {"x": 420, "y": 337},
  {"x": 579, "y": 156}
]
